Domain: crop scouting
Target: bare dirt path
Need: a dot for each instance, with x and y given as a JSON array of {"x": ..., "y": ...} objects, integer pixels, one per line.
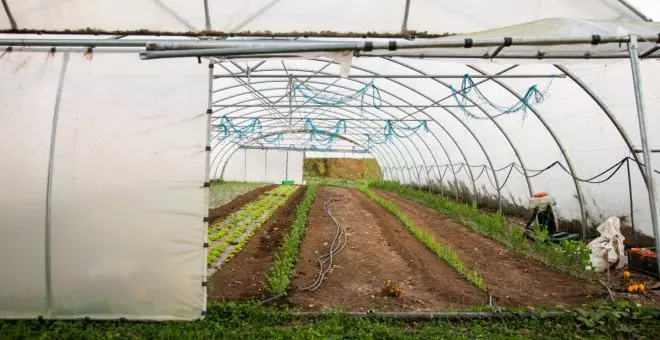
[
  {"x": 378, "y": 248},
  {"x": 244, "y": 276},
  {"x": 513, "y": 280}
]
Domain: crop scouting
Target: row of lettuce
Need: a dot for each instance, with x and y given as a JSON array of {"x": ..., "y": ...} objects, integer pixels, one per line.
[
  {"x": 569, "y": 256},
  {"x": 229, "y": 236}
]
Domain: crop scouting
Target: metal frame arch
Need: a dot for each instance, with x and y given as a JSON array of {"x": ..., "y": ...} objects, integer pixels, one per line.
[
  {"x": 451, "y": 113},
  {"x": 376, "y": 152},
  {"x": 231, "y": 143},
  {"x": 485, "y": 112},
  {"x": 332, "y": 85},
  {"x": 422, "y": 158},
  {"x": 426, "y": 114},
  {"x": 359, "y": 127},
  {"x": 396, "y": 97},
  {"x": 610, "y": 115},
  {"x": 569, "y": 163},
  {"x": 343, "y": 108},
  {"x": 339, "y": 116}
]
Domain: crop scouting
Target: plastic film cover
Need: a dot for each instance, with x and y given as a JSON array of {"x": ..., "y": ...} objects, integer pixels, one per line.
[{"x": 127, "y": 207}]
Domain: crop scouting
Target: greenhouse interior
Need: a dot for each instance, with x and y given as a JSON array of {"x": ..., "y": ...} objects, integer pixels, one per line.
[{"x": 118, "y": 118}]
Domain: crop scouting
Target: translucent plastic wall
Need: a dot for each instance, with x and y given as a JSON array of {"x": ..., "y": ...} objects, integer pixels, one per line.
[
  {"x": 302, "y": 16},
  {"x": 263, "y": 166},
  {"x": 101, "y": 214}
]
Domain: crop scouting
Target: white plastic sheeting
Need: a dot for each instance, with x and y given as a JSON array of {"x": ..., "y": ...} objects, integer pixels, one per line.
[
  {"x": 126, "y": 209},
  {"x": 546, "y": 29},
  {"x": 433, "y": 16},
  {"x": 261, "y": 166}
]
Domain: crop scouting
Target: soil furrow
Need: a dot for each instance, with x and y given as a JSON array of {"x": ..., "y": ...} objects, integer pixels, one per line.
[
  {"x": 512, "y": 279},
  {"x": 378, "y": 248},
  {"x": 244, "y": 277}
]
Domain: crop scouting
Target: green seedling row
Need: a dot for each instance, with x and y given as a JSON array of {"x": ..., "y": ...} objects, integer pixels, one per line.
[
  {"x": 281, "y": 272},
  {"x": 443, "y": 251},
  {"x": 255, "y": 213},
  {"x": 571, "y": 257}
]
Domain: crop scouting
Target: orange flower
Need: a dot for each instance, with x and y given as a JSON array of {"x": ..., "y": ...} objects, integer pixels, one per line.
[
  {"x": 626, "y": 274},
  {"x": 641, "y": 287}
]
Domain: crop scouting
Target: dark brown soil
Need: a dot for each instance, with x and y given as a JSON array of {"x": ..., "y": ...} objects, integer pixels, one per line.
[
  {"x": 513, "y": 280},
  {"x": 378, "y": 248},
  {"x": 223, "y": 211},
  {"x": 244, "y": 276}
]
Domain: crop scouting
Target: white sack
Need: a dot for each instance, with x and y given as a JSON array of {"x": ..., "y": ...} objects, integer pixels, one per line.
[{"x": 607, "y": 249}]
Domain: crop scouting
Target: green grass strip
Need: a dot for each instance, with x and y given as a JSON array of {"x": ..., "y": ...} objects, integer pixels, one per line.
[
  {"x": 281, "y": 272},
  {"x": 443, "y": 251},
  {"x": 230, "y": 320}
]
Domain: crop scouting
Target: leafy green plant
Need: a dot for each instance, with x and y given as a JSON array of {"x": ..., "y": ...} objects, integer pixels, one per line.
[
  {"x": 252, "y": 216},
  {"x": 281, "y": 271},
  {"x": 223, "y": 192},
  {"x": 441, "y": 250}
]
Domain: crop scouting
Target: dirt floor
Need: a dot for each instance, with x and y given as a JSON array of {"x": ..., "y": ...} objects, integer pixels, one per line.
[
  {"x": 223, "y": 211},
  {"x": 378, "y": 248},
  {"x": 244, "y": 276},
  {"x": 512, "y": 279}
]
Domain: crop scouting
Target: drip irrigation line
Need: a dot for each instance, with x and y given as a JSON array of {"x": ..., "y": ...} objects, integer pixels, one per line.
[
  {"x": 272, "y": 298},
  {"x": 338, "y": 243}
]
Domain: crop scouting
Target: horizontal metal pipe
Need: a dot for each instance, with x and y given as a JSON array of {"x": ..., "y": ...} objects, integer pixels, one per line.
[
  {"x": 640, "y": 150},
  {"x": 356, "y": 46},
  {"x": 322, "y": 45},
  {"x": 393, "y": 76},
  {"x": 504, "y": 56},
  {"x": 33, "y": 49},
  {"x": 326, "y": 118},
  {"x": 283, "y": 48},
  {"x": 281, "y": 106},
  {"x": 288, "y": 148}
]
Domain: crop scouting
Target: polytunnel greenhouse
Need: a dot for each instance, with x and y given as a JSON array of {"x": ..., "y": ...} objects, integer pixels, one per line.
[{"x": 117, "y": 118}]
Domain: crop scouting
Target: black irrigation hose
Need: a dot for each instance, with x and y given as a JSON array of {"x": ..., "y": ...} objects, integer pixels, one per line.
[
  {"x": 592, "y": 180},
  {"x": 454, "y": 316},
  {"x": 272, "y": 298},
  {"x": 338, "y": 244}
]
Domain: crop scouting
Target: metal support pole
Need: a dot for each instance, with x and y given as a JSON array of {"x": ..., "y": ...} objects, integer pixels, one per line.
[
  {"x": 286, "y": 167},
  {"x": 630, "y": 197},
  {"x": 207, "y": 178},
  {"x": 643, "y": 131},
  {"x": 207, "y": 15},
  {"x": 404, "y": 25},
  {"x": 290, "y": 95},
  {"x": 49, "y": 189},
  {"x": 12, "y": 21}
]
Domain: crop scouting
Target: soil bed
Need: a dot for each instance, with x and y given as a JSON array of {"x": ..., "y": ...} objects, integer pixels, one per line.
[
  {"x": 378, "y": 248},
  {"x": 223, "y": 211},
  {"x": 513, "y": 280},
  {"x": 244, "y": 276}
]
